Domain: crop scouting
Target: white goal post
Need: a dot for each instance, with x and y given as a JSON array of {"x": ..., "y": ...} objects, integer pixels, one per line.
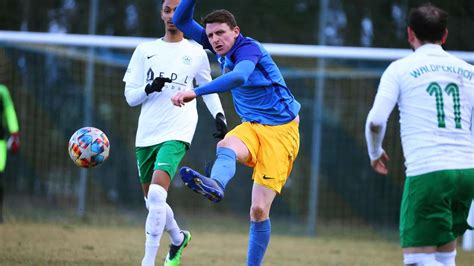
[{"x": 290, "y": 50}]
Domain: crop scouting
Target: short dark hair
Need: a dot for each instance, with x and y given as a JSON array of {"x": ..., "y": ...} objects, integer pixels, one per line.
[
  {"x": 428, "y": 22},
  {"x": 220, "y": 16}
]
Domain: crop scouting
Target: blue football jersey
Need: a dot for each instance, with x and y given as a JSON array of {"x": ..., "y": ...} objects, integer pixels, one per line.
[{"x": 264, "y": 98}]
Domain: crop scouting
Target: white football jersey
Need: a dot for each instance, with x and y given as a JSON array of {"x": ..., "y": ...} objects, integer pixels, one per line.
[
  {"x": 159, "y": 119},
  {"x": 435, "y": 95}
]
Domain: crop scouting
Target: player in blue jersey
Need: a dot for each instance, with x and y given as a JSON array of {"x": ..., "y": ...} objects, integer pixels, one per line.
[{"x": 268, "y": 137}]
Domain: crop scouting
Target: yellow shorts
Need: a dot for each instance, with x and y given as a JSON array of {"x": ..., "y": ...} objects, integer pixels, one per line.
[{"x": 273, "y": 149}]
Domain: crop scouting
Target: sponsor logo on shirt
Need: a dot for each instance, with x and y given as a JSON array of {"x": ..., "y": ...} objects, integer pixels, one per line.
[{"x": 150, "y": 75}]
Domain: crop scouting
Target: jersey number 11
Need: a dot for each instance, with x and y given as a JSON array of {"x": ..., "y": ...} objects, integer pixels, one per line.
[{"x": 451, "y": 89}]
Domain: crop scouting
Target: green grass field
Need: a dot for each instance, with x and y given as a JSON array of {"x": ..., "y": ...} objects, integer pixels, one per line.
[
  {"x": 116, "y": 239},
  {"x": 59, "y": 244}
]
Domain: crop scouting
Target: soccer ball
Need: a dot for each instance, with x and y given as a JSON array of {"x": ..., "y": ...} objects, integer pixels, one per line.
[{"x": 88, "y": 147}]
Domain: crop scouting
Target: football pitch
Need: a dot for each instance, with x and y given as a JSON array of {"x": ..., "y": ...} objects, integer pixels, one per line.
[{"x": 216, "y": 241}]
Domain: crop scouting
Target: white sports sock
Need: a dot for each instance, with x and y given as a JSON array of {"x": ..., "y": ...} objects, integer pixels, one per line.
[
  {"x": 172, "y": 227},
  {"x": 447, "y": 258},
  {"x": 420, "y": 259},
  {"x": 155, "y": 222}
]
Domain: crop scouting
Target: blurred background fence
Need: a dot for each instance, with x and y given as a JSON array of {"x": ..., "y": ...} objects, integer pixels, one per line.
[{"x": 48, "y": 81}]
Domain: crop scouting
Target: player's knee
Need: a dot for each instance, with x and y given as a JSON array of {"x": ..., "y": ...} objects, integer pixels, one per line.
[
  {"x": 258, "y": 213},
  {"x": 231, "y": 142},
  {"x": 156, "y": 196},
  {"x": 237, "y": 146},
  {"x": 223, "y": 143}
]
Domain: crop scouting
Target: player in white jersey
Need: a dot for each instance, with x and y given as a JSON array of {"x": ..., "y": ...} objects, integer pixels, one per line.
[
  {"x": 435, "y": 95},
  {"x": 157, "y": 70}
]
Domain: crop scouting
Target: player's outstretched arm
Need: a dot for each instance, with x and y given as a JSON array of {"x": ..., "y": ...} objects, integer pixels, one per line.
[
  {"x": 235, "y": 78},
  {"x": 183, "y": 19},
  {"x": 228, "y": 81}
]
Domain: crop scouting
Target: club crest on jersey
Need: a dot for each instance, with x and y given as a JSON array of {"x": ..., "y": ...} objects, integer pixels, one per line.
[{"x": 186, "y": 60}]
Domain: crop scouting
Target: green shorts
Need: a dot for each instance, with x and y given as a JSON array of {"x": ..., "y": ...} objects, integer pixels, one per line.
[
  {"x": 435, "y": 207},
  {"x": 165, "y": 156}
]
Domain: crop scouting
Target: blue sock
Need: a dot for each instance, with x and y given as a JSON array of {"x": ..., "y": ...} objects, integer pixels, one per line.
[
  {"x": 259, "y": 236},
  {"x": 224, "y": 167}
]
